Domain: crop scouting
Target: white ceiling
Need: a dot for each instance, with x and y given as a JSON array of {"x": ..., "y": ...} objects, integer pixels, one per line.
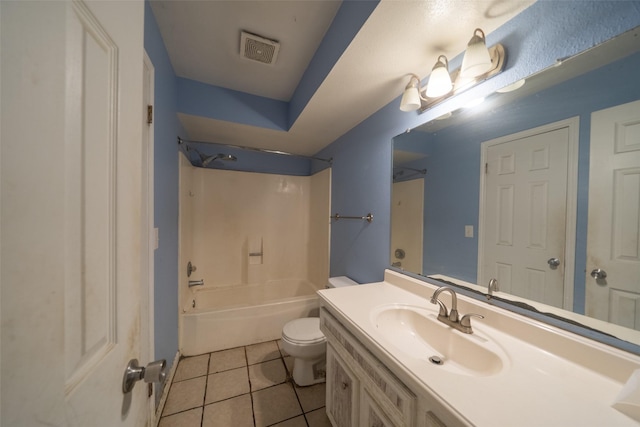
[{"x": 400, "y": 37}]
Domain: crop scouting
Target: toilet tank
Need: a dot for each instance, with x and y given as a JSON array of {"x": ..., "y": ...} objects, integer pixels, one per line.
[{"x": 340, "y": 281}]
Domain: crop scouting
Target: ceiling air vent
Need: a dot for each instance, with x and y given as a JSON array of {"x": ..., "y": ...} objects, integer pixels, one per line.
[{"x": 258, "y": 48}]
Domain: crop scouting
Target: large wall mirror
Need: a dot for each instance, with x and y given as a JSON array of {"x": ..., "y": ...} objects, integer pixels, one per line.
[{"x": 537, "y": 187}]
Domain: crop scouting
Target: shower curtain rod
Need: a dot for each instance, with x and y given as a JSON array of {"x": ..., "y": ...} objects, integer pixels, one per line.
[
  {"x": 420, "y": 171},
  {"x": 260, "y": 150}
]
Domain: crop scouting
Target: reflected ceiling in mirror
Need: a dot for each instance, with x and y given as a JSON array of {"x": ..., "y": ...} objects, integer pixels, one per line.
[{"x": 456, "y": 152}]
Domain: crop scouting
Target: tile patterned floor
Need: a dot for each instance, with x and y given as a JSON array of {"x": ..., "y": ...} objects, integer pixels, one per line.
[{"x": 246, "y": 386}]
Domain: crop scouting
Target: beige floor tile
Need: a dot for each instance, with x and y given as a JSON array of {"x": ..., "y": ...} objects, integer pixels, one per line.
[
  {"x": 262, "y": 352},
  {"x": 318, "y": 418},
  {"x": 275, "y": 404},
  {"x": 284, "y": 353},
  {"x": 185, "y": 395},
  {"x": 293, "y": 422},
  {"x": 227, "y": 359},
  {"x": 191, "y": 367},
  {"x": 288, "y": 361},
  {"x": 311, "y": 397},
  {"x": 236, "y": 412},
  {"x": 191, "y": 418},
  {"x": 227, "y": 384},
  {"x": 267, "y": 374}
]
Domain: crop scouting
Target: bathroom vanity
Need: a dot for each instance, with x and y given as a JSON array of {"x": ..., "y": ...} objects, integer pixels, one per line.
[{"x": 390, "y": 362}]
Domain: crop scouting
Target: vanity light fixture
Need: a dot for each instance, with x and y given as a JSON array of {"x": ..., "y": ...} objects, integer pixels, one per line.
[
  {"x": 411, "y": 96},
  {"x": 476, "y": 60},
  {"x": 440, "y": 80},
  {"x": 479, "y": 63}
]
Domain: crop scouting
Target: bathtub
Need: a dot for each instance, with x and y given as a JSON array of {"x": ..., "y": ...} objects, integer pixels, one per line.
[{"x": 234, "y": 316}]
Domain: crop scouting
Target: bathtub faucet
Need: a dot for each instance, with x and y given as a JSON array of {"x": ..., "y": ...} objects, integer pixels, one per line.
[{"x": 193, "y": 283}]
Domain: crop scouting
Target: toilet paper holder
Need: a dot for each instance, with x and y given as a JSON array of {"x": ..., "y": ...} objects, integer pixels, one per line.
[{"x": 154, "y": 372}]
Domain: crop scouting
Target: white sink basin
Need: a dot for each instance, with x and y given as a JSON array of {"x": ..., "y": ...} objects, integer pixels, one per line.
[{"x": 417, "y": 333}]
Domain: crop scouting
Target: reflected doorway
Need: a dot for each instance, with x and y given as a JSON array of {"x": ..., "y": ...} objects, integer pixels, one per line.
[
  {"x": 524, "y": 214},
  {"x": 407, "y": 206},
  {"x": 613, "y": 237}
]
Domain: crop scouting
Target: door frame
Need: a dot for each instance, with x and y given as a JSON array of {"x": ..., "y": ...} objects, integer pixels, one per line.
[
  {"x": 149, "y": 236},
  {"x": 573, "y": 126}
]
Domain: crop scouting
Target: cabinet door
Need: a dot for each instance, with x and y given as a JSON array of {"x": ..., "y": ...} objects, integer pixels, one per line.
[{"x": 342, "y": 392}]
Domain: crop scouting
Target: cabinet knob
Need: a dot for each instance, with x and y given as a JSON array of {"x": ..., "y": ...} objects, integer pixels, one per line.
[{"x": 345, "y": 385}]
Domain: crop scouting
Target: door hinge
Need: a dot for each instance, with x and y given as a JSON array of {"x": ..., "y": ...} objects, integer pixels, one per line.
[
  {"x": 486, "y": 168},
  {"x": 149, "y": 114}
]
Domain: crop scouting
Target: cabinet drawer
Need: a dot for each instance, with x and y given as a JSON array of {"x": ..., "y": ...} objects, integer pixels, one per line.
[{"x": 395, "y": 399}]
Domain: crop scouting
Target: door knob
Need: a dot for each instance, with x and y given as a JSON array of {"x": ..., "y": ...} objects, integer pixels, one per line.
[
  {"x": 553, "y": 262},
  {"x": 154, "y": 372},
  {"x": 598, "y": 274}
]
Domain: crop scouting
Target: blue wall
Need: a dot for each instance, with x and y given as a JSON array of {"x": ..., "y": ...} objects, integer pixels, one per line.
[
  {"x": 166, "y": 128},
  {"x": 362, "y": 157},
  {"x": 204, "y": 100}
]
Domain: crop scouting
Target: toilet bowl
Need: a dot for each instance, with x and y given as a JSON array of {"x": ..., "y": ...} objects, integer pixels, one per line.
[{"x": 303, "y": 340}]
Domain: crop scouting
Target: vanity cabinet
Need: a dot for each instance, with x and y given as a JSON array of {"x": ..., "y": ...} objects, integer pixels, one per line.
[{"x": 362, "y": 391}]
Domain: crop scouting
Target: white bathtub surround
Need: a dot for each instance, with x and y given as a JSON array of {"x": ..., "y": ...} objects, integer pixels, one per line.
[
  {"x": 261, "y": 244},
  {"x": 254, "y": 251},
  {"x": 540, "y": 375},
  {"x": 235, "y": 214}
]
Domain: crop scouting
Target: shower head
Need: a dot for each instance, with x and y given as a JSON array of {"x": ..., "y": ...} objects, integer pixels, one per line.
[{"x": 208, "y": 159}]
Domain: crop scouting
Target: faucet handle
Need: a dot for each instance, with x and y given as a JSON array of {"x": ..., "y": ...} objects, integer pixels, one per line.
[{"x": 466, "y": 319}]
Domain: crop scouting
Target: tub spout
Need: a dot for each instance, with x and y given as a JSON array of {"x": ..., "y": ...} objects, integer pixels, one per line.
[{"x": 193, "y": 283}]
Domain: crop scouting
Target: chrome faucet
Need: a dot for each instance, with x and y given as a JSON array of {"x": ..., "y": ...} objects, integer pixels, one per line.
[
  {"x": 493, "y": 286},
  {"x": 451, "y": 318}
]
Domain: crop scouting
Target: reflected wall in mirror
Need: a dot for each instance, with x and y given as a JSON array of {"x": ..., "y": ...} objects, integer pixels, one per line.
[{"x": 540, "y": 189}]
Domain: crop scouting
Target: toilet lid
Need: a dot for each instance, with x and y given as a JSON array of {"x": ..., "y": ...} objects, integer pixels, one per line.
[{"x": 306, "y": 330}]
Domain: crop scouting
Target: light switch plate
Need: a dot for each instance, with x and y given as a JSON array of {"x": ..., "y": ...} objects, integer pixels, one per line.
[{"x": 468, "y": 231}]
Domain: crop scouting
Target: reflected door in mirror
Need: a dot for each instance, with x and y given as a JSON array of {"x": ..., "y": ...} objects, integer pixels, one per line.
[
  {"x": 524, "y": 214},
  {"x": 613, "y": 244}
]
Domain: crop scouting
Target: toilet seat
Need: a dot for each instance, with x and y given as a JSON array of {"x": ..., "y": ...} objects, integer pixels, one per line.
[{"x": 303, "y": 331}]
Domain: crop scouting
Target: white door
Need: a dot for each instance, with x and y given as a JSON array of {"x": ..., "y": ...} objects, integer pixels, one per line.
[
  {"x": 613, "y": 237},
  {"x": 407, "y": 207},
  {"x": 71, "y": 211},
  {"x": 524, "y": 217}
]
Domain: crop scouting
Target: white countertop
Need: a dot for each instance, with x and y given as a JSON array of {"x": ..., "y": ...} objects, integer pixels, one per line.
[{"x": 537, "y": 387}]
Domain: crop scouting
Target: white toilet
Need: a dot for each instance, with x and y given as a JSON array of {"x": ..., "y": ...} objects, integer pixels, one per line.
[{"x": 303, "y": 340}]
